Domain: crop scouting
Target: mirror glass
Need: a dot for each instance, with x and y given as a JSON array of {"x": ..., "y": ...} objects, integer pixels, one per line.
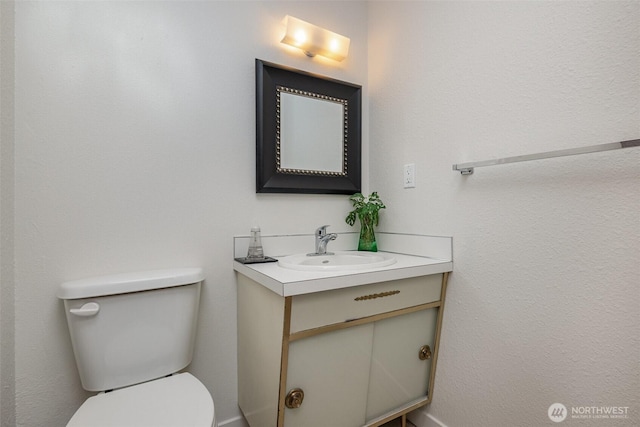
[
  {"x": 311, "y": 133},
  {"x": 308, "y": 132}
]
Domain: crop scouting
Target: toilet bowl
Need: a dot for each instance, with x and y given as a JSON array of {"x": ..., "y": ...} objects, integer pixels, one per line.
[
  {"x": 176, "y": 401},
  {"x": 132, "y": 335}
]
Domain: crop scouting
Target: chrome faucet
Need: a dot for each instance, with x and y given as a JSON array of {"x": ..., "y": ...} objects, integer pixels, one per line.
[{"x": 322, "y": 238}]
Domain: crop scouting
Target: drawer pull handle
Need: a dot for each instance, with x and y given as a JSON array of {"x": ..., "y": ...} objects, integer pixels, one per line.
[
  {"x": 425, "y": 352},
  {"x": 374, "y": 296},
  {"x": 294, "y": 398}
]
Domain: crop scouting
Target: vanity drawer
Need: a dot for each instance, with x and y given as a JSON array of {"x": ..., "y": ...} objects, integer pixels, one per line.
[{"x": 326, "y": 308}]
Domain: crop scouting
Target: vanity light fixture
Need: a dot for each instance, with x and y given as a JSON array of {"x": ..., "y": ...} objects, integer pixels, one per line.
[{"x": 313, "y": 40}]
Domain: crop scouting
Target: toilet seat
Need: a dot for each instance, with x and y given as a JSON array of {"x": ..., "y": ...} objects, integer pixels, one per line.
[{"x": 179, "y": 400}]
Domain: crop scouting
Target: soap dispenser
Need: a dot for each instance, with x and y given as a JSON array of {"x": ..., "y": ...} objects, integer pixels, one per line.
[
  {"x": 255, "y": 245},
  {"x": 255, "y": 254}
]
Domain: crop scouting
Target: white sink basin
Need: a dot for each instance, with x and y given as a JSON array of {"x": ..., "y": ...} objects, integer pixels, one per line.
[{"x": 339, "y": 261}]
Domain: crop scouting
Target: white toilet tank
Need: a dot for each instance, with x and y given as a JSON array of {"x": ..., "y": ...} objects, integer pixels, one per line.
[{"x": 131, "y": 328}]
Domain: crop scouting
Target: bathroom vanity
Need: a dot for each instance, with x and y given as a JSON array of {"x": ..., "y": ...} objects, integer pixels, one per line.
[{"x": 338, "y": 348}]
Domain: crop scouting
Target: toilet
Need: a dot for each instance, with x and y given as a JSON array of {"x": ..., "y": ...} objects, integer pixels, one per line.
[{"x": 132, "y": 335}]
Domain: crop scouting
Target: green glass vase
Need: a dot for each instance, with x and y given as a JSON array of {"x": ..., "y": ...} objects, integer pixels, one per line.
[{"x": 367, "y": 240}]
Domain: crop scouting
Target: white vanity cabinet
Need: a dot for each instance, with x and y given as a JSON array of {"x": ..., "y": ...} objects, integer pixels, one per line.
[
  {"x": 401, "y": 361},
  {"x": 332, "y": 369},
  {"x": 347, "y": 357}
]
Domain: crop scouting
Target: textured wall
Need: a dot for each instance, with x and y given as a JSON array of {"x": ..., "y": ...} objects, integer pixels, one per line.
[
  {"x": 135, "y": 149},
  {"x": 543, "y": 304}
]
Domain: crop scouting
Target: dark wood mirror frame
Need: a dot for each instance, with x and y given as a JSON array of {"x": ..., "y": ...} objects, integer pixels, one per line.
[{"x": 268, "y": 178}]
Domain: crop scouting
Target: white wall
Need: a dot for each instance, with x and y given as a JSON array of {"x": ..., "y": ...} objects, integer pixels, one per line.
[
  {"x": 7, "y": 390},
  {"x": 543, "y": 305},
  {"x": 135, "y": 149}
]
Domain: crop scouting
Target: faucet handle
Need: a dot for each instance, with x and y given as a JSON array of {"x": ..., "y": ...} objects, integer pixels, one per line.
[{"x": 322, "y": 230}]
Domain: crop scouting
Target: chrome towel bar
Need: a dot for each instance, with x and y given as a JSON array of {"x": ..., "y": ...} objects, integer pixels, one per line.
[{"x": 467, "y": 168}]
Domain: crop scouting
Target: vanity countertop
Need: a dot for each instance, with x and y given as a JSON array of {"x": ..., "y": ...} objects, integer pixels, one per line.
[{"x": 286, "y": 282}]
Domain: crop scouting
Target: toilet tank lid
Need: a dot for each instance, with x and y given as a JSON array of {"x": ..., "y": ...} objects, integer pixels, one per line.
[{"x": 129, "y": 282}]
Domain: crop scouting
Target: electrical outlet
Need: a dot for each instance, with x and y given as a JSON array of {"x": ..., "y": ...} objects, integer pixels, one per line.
[{"x": 409, "y": 175}]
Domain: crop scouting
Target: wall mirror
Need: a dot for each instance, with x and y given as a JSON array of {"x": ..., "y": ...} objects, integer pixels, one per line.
[{"x": 308, "y": 132}]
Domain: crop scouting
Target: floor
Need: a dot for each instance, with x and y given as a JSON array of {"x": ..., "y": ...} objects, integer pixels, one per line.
[{"x": 397, "y": 423}]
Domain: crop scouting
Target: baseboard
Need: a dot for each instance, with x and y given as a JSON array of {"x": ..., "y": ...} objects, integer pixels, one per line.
[
  {"x": 238, "y": 421},
  {"x": 423, "y": 419}
]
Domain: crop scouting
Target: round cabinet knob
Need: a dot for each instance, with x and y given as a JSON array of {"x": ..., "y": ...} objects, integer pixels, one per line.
[
  {"x": 425, "y": 352},
  {"x": 294, "y": 398}
]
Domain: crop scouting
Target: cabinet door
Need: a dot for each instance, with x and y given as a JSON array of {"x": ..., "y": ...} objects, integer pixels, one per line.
[
  {"x": 332, "y": 369},
  {"x": 398, "y": 375}
]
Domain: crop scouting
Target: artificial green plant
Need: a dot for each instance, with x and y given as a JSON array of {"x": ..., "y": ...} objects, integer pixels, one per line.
[{"x": 366, "y": 209}]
